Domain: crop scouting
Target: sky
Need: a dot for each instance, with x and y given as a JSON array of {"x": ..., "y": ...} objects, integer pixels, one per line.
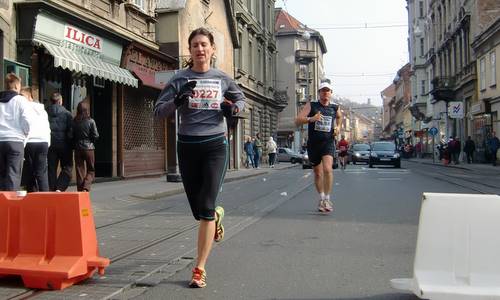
[{"x": 360, "y": 62}]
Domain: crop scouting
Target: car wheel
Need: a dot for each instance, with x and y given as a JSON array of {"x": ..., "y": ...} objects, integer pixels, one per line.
[
  {"x": 304, "y": 167},
  {"x": 370, "y": 165},
  {"x": 292, "y": 160},
  {"x": 397, "y": 165}
]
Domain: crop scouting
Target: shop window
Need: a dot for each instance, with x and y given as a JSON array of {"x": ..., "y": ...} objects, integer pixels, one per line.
[
  {"x": 21, "y": 70},
  {"x": 78, "y": 93}
]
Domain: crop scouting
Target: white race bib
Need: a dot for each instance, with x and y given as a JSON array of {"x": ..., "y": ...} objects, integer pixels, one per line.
[
  {"x": 207, "y": 94},
  {"x": 324, "y": 125}
]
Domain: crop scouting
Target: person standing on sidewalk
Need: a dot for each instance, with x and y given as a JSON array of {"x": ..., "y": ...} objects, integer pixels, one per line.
[
  {"x": 321, "y": 117},
  {"x": 248, "y": 146},
  {"x": 84, "y": 136},
  {"x": 271, "y": 150},
  {"x": 15, "y": 125},
  {"x": 60, "y": 150},
  {"x": 257, "y": 149},
  {"x": 493, "y": 145},
  {"x": 202, "y": 96},
  {"x": 469, "y": 149},
  {"x": 37, "y": 147}
]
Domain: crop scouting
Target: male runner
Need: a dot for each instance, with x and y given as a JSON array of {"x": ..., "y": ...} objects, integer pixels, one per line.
[{"x": 321, "y": 117}]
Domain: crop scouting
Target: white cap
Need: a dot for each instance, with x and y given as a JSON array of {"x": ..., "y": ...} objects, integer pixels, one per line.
[{"x": 325, "y": 85}]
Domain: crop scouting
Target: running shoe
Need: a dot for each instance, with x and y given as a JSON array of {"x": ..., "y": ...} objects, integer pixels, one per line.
[
  {"x": 328, "y": 205},
  {"x": 219, "y": 228},
  {"x": 321, "y": 206},
  {"x": 199, "y": 279}
]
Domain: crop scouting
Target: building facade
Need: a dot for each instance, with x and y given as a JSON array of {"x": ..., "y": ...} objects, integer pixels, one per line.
[
  {"x": 84, "y": 50},
  {"x": 445, "y": 31},
  {"x": 255, "y": 68},
  {"x": 487, "y": 48},
  {"x": 299, "y": 72}
]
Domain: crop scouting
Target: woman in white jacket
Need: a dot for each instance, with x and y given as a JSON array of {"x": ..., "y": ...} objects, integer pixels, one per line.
[{"x": 271, "y": 151}]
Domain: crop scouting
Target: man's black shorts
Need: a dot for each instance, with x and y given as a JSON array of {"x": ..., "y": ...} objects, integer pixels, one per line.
[{"x": 317, "y": 149}]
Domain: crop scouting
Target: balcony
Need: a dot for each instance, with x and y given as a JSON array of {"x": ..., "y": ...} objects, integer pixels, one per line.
[
  {"x": 305, "y": 56},
  {"x": 443, "y": 89}
]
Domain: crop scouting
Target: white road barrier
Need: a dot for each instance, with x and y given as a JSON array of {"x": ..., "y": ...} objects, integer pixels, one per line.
[{"x": 457, "y": 255}]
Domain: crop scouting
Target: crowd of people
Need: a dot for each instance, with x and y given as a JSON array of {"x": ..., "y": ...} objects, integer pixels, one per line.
[
  {"x": 254, "y": 150},
  {"x": 36, "y": 142}
]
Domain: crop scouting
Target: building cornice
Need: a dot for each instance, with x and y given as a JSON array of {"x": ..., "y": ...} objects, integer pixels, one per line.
[{"x": 78, "y": 12}]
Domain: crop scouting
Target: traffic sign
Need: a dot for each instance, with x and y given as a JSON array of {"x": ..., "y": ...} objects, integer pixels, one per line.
[{"x": 433, "y": 131}]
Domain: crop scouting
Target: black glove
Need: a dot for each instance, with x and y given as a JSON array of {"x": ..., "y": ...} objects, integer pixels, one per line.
[
  {"x": 185, "y": 92},
  {"x": 227, "y": 109}
]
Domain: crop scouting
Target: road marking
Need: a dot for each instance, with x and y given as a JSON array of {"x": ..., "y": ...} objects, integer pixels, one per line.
[
  {"x": 393, "y": 172},
  {"x": 306, "y": 175}
]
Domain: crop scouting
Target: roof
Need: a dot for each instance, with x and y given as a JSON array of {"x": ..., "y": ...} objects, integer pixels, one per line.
[{"x": 286, "y": 24}]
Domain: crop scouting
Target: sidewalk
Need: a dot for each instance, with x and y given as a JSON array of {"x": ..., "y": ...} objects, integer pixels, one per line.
[
  {"x": 158, "y": 187},
  {"x": 478, "y": 167}
]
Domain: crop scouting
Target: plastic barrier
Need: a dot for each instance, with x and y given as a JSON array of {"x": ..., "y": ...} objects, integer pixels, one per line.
[
  {"x": 48, "y": 239},
  {"x": 458, "y": 248}
]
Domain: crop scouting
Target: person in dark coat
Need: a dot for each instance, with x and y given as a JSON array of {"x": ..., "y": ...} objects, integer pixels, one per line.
[
  {"x": 469, "y": 149},
  {"x": 60, "y": 150},
  {"x": 493, "y": 145},
  {"x": 85, "y": 134}
]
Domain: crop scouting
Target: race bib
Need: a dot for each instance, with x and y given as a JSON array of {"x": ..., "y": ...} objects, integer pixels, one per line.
[
  {"x": 342, "y": 148},
  {"x": 324, "y": 125},
  {"x": 207, "y": 94}
]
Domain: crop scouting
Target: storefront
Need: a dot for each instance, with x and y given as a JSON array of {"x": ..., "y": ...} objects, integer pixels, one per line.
[
  {"x": 144, "y": 140},
  {"x": 81, "y": 62}
]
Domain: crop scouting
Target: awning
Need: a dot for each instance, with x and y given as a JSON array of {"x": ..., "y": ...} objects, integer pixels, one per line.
[
  {"x": 147, "y": 78},
  {"x": 86, "y": 64}
]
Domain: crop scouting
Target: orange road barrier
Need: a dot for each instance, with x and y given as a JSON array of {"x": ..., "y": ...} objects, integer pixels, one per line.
[{"x": 48, "y": 239}]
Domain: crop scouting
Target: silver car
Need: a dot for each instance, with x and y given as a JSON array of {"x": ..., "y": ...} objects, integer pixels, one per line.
[{"x": 287, "y": 155}]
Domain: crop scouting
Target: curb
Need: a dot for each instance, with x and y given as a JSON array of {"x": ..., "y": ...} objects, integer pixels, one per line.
[
  {"x": 438, "y": 164},
  {"x": 180, "y": 190}
]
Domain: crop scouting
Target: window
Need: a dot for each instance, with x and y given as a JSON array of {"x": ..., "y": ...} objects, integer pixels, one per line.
[
  {"x": 493, "y": 68},
  {"x": 239, "y": 52},
  {"x": 422, "y": 88},
  {"x": 421, "y": 9},
  {"x": 250, "y": 58},
  {"x": 139, "y": 3},
  {"x": 422, "y": 47},
  {"x": 482, "y": 74}
]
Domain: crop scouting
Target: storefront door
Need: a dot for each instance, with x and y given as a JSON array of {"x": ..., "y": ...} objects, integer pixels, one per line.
[{"x": 102, "y": 113}]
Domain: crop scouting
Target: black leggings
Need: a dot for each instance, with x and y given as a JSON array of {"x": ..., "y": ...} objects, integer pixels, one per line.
[{"x": 203, "y": 164}]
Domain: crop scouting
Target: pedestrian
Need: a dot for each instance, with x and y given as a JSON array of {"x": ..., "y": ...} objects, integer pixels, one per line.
[
  {"x": 271, "y": 151},
  {"x": 202, "y": 95},
  {"x": 60, "y": 150},
  {"x": 321, "y": 117},
  {"x": 457, "y": 147},
  {"x": 15, "y": 125},
  {"x": 37, "y": 147},
  {"x": 248, "y": 147},
  {"x": 469, "y": 149},
  {"x": 453, "y": 149},
  {"x": 257, "y": 149},
  {"x": 343, "y": 146},
  {"x": 85, "y": 135},
  {"x": 493, "y": 145}
]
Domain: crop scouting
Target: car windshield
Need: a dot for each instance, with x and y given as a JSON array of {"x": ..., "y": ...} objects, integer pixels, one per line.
[
  {"x": 383, "y": 147},
  {"x": 361, "y": 147}
]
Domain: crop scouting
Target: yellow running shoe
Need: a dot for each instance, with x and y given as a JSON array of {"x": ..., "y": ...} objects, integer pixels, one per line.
[{"x": 219, "y": 228}]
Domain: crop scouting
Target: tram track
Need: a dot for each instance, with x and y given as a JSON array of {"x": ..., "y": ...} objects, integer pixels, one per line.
[{"x": 32, "y": 293}]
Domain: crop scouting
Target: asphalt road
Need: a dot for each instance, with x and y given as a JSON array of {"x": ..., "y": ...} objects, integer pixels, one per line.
[{"x": 291, "y": 251}]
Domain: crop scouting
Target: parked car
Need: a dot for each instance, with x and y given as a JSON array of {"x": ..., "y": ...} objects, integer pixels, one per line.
[
  {"x": 359, "y": 153},
  {"x": 384, "y": 153},
  {"x": 287, "y": 155},
  {"x": 306, "y": 164}
]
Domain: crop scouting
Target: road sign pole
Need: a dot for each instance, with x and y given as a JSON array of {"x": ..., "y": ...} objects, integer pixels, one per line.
[{"x": 433, "y": 149}]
